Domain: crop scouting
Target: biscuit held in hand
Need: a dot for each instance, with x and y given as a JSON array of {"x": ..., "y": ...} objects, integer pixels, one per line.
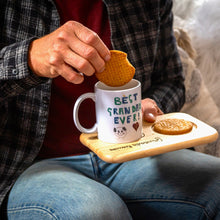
[{"x": 118, "y": 70}]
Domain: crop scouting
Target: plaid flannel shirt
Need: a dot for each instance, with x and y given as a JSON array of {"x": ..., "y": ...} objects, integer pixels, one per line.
[{"x": 141, "y": 28}]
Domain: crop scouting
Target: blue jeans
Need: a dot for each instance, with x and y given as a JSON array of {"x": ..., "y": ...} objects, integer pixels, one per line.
[{"x": 181, "y": 185}]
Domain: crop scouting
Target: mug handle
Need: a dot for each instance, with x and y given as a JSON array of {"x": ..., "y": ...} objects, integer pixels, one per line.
[{"x": 75, "y": 113}]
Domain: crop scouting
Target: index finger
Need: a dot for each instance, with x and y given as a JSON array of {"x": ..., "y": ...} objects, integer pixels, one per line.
[{"x": 91, "y": 38}]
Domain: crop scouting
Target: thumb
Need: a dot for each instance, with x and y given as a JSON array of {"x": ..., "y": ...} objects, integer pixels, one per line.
[{"x": 149, "y": 117}]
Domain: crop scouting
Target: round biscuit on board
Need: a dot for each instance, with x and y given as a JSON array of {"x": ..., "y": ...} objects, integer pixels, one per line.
[
  {"x": 118, "y": 70},
  {"x": 173, "y": 126}
]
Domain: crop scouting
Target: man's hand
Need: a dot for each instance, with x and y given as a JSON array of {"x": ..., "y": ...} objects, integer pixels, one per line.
[
  {"x": 150, "y": 110},
  {"x": 70, "y": 51}
]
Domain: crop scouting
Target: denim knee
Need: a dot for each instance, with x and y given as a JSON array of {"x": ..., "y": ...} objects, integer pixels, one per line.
[
  {"x": 53, "y": 191},
  {"x": 107, "y": 209}
]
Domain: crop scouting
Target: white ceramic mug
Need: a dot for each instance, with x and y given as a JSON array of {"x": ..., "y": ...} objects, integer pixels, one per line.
[{"x": 118, "y": 112}]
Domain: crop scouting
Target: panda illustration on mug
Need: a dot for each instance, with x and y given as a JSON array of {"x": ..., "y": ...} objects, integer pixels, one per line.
[{"x": 120, "y": 131}]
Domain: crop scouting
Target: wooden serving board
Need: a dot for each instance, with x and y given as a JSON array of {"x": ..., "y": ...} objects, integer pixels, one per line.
[{"x": 152, "y": 143}]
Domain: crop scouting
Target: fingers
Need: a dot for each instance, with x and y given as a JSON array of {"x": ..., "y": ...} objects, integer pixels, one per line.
[
  {"x": 149, "y": 117},
  {"x": 79, "y": 63},
  {"x": 91, "y": 38},
  {"x": 150, "y": 110},
  {"x": 69, "y": 74},
  {"x": 84, "y": 58},
  {"x": 87, "y": 52},
  {"x": 58, "y": 66}
]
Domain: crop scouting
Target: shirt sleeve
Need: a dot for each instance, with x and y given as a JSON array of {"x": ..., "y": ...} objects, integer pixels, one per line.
[
  {"x": 167, "y": 79},
  {"x": 15, "y": 75},
  {"x": 20, "y": 24}
]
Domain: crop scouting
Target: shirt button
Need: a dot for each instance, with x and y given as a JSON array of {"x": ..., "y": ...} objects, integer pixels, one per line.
[
  {"x": 45, "y": 99},
  {"x": 14, "y": 71}
]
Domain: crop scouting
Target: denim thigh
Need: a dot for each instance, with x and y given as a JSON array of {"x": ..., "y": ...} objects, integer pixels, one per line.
[{"x": 179, "y": 185}]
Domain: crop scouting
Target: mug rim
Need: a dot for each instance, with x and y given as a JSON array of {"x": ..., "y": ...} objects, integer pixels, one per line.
[{"x": 125, "y": 87}]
